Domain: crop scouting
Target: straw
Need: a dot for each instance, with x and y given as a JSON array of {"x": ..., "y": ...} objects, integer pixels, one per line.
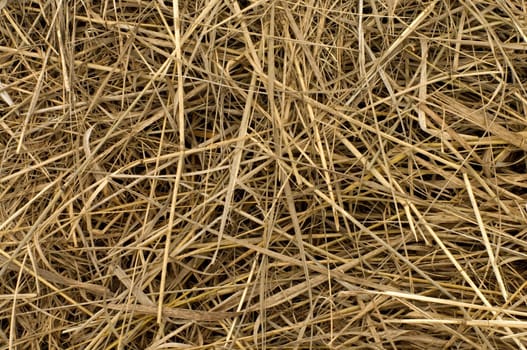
[{"x": 263, "y": 174}]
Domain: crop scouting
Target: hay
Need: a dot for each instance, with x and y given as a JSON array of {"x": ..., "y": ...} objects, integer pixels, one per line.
[{"x": 263, "y": 174}]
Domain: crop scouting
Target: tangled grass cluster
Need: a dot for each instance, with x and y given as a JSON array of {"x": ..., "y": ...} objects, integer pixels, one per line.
[{"x": 264, "y": 174}]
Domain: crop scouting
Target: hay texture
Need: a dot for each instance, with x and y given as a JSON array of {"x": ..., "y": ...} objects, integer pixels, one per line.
[{"x": 264, "y": 174}]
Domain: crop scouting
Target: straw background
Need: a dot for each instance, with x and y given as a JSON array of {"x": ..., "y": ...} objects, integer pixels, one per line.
[{"x": 264, "y": 174}]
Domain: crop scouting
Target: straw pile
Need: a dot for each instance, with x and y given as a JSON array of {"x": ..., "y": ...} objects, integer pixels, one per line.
[{"x": 263, "y": 174}]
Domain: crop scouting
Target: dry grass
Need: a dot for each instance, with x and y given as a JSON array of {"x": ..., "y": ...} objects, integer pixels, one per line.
[{"x": 263, "y": 174}]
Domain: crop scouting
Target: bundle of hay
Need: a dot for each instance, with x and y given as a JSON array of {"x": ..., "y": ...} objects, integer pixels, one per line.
[{"x": 263, "y": 174}]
